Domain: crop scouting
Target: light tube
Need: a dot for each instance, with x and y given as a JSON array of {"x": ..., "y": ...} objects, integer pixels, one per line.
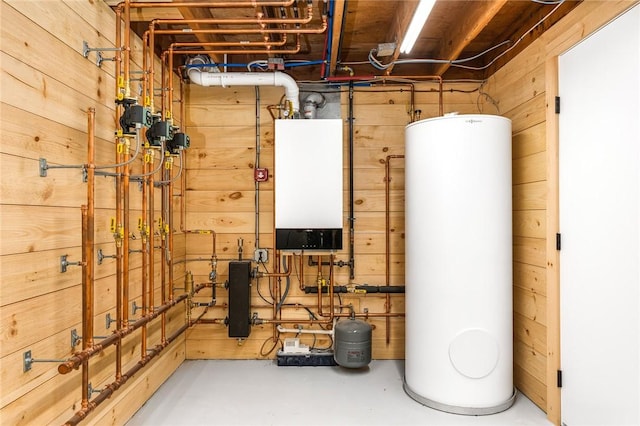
[{"x": 415, "y": 27}]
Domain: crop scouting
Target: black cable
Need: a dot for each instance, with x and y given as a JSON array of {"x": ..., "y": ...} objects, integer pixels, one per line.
[
  {"x": 270, "y": 291},
  {"x": 286, "y": 288},
  {"x": 260, "y": 293}
]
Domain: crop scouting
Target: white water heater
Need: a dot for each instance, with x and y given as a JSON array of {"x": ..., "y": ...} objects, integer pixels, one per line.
[
  {"x": 308, "y": 184},
  {"x": 459, "y": 344}
]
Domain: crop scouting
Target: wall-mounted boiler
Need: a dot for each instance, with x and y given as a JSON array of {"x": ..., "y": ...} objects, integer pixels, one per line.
[{"x": 308, "y": 184}]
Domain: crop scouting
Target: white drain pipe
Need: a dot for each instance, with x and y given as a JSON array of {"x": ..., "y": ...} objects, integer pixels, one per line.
[
  {"x": 281, "y": 329},
  {"x": 277, "y": 78}
]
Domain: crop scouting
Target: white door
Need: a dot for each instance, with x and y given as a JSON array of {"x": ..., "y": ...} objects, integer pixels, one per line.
[{"x": 599, "y": 162}]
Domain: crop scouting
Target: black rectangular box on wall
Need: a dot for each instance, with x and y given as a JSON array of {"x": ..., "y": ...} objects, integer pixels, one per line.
[
  {"x": 309, "y": 239},
  {"x": 239, "y": 298}
]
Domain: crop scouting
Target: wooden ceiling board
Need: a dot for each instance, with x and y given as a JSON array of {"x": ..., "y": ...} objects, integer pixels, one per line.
[{"x": 455, "y": 29}]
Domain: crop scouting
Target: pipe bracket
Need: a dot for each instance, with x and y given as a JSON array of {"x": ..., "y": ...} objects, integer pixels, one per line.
[
  {"x": 108, "y": 320},
  {"x": 64, "y": 263},
  {"x": 99, "y": 58},
  {"x": 28, "y": 360},
  {"x": 135, "y": 308},
  {"x": 43, "y": 167},
  {"x": 76, "y": 338},
  {"x": 101, "y": 256},
  {"x": 91, "y": 390}
]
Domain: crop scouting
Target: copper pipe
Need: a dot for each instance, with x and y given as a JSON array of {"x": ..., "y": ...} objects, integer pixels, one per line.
[
  {"x": 400, "y": 78},
  {"x": 245, "y": 52},
  {"x": 302, "y": 270},
  {"x": 85, "y": 302},
  {"x": 169, "y": 114},
  {"x": 172, "y": 52},
  {"x": 211, "y": 4},
  {"x": 422, "y": 77},
  {"x": 88, "y": 246},
  {"x": 125, "y": 237},
  {"x": 371, "y": 315},
  {"x": 331, "y": 302},
  {"x": 277, "y": 268},
  {"x": 163, "y": 249},
  {"x": 274, "y": 322},
  {"x": 170, "y": 223},
  {"x": 145, "y": 76},
  {"x": 260, "y": 21},
  {"x": 79, "y": 357},
  {"x": 275, "y": 287},
  {"x": 89, "y": 237},
  {"x": 263, "y": 22},
  {"x": 317, "y": 30},
  {"x": 151, "y": 75},
  {"x": 280, "y": 43},
  {"x": 147, "y": 235},
  {"x": 111, "y": 388},
  {"x": 183, "y": 119},
  {"x": 152, "y": 276},
  {"x": 205, "y": 231},
  {"x": 387, "y": 239},
  {"x": 127, "y": 46},
  {"x": 319, "y": 285},
  {"x": 313, "y": 322},
  {"x": 119, "y": 169},
  {"x": 163, "y": 81}
]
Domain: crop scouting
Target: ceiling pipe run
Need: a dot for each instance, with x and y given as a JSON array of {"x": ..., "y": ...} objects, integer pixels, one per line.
[{"x": 276, "y": 78}]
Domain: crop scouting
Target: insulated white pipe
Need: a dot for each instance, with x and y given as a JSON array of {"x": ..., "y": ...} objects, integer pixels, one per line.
[{"x": 224, "y": 79}]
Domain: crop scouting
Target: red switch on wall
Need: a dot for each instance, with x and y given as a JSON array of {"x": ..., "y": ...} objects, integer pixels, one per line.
[{"x": 261, "y": 174}]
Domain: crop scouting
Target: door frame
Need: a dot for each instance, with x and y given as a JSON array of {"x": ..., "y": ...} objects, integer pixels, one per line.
[{"x": 558, "y": 44}]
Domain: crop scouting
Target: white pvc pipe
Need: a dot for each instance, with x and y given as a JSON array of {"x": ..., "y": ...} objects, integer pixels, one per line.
[
  {"x": 281, "y": 329},
  {"x": 223, "y": 79}
]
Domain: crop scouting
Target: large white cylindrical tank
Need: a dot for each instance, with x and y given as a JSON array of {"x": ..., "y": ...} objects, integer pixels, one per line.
[{"x": 459, "y": 346}]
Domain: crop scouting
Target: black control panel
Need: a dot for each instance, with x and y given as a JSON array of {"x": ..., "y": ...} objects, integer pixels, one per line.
[{"x": 309, "y": 239}]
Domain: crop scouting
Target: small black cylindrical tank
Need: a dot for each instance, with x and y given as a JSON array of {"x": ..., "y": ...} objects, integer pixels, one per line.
[{"x": 352, "y": 347}]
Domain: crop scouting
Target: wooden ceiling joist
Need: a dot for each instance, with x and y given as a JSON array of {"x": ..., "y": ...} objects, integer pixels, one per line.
[
  {"x": 338, "y": 14},
  {"x": 467, "y": 30},
  {"x": 398, "y": 29},
  {"x": 151, "y": 13},
  {"x": 201, "y": 13}
]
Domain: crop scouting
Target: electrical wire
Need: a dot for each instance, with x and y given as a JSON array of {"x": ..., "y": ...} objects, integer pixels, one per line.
[
  {"x": 275, "y": 344},
  {"x": 260, "y": 293},
  {"x": 160, "y": 163},
  {"x": 488, "y": 97},
  {"x": 129, "y": 161},
  {"x": 105, "y": 166},
  {"x": 560, "y": 2},
  {"x": 165, "y": 182},
  {"x": 273, "y": 299},
  {"x": 378, "y": 65},
  {"x": 459, "y": 62},
  {"x": 287, "y": 285}
]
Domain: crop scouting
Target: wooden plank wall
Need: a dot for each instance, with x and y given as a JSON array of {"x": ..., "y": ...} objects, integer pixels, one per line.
[
  {"x": 47, "y": 87},
  {"x": 524, "y": 91},
  {"x": 220, "y": 196}
]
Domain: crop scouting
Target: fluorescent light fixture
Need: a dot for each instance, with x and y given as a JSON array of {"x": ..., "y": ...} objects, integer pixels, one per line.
[{"x": 417, "y": 22}]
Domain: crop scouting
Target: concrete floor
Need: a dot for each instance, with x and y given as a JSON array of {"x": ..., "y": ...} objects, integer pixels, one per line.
[{"x": 252, "y": 393}]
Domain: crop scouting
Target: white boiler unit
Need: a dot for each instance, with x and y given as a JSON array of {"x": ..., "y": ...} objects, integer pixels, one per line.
[
  {"x": 308, "y": 184},
  {"x": 459, "y": 346}
]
